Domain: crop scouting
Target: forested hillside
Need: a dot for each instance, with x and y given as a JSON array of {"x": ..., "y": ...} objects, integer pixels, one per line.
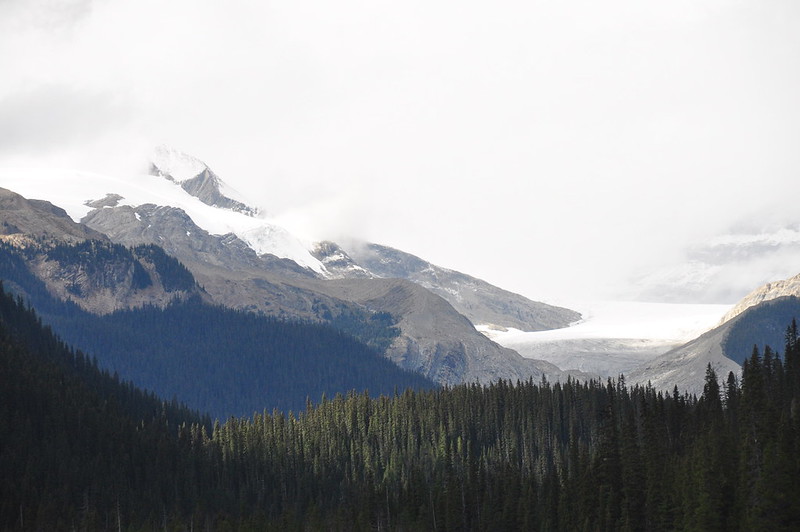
[
  {"x": 229, "y": 362},
  {"x": 78, "y": 450},
  {"x": 74, "y": 439},
  {"x": 762, "y": 324},
  {"x": 217, "y": 360}
]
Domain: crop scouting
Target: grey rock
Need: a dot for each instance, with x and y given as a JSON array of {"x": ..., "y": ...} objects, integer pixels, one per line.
[
  {"x": 206, "y": 187},
  {"x": 40, "y": 219},
  {"x": 685, "y": 366},
  {"x": 224, "y": 265},
  {"x": 436, "y": 339},
  {"x": 783, "y": 288},
  {"x": 481, "y": 302}
]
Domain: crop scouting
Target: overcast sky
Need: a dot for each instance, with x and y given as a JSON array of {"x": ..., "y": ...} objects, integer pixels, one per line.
[{"x": 555, "y": 148}]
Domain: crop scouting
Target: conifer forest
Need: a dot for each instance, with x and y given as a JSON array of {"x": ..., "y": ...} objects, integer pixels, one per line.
[{"x": 81, "y": 449}]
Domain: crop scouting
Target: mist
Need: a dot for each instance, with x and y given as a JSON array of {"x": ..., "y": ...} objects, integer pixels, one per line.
[{"x": 555, "y": 149}]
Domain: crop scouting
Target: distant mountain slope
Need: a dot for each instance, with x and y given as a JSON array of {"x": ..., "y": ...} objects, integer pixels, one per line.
[
  {"x": 40, "y": 219},
  {"x": 99, "y": 276},
  {"x": 774, "y": 290},
  {"x": 197, "y": 179},
  {"x": 243, "y": 261},
  {"x": 724, "y": 347},
  {"x": 437, "y": 341},
  {"x": 216, "y": 360},
  {"x": 685, "y": 366},
  {"x": 481, "y": 302},
  {"x": 761, "y": 325},
  {"x": 183, "y": 182}
]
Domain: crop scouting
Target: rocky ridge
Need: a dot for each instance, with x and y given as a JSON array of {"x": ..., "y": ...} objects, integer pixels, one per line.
[
  {"x": 40, "y": 219},
  {"x": 481, "y": 302},
  {"x": 725, "y": 347},
  {"x": 767, "y": 292},
  {"x": 435, "y": 338}
]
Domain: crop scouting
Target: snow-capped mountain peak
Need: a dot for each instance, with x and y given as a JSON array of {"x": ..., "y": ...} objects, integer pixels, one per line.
[
  {"x": 200, "y": 197},
  {"x": 175, "y": 165},
  {"x": 197, "y": 178}
]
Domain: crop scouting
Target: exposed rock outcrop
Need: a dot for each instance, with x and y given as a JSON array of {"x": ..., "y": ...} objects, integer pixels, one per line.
[
  {"x": 40, "y": 219},
  {"x": 783, "y": 288},
  {"x": 481, "y": 302}
]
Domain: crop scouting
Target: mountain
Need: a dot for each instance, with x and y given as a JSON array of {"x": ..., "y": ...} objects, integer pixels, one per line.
[
  {"x": 217, "y": 360},
  {"x": 242, "y": 260},
  {"x": 197, "y": 179},
  {"x": 80, "y": 264},
  {"x": 760, "y": 318},
  {"x": 235, "y": 276},
  {"x": 436, "y": 340},
  {"x": 725, "y": 347},
  {"x": 479, "y": 301},
  {"x": 777, "y": 289},
  {"x": 39, "y": 219}
]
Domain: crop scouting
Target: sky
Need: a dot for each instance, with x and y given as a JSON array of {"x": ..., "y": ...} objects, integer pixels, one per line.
[{"x": 556, "y": 149}]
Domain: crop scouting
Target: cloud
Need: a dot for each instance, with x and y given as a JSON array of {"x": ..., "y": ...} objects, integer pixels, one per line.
[
  {"x": 57, "y": 117},
  {"x": 549, "y": 147}
]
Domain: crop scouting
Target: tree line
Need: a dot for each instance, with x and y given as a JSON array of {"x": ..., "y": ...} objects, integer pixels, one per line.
[{"x": 80, "y": 449}]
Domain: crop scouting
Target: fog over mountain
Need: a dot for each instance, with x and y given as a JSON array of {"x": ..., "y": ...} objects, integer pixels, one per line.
[
  {"x": 247, "y": 260},
  {"x": 556, "y": 149},
  {"x": 243, "y": 260},
  {"x": 726, "y": 267}
]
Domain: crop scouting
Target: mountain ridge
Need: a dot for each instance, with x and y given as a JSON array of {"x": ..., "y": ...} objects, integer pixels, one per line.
[{"x": 227, "y": 251}]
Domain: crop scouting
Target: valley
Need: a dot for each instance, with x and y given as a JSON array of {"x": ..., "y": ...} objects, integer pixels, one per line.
[
  {"x": 613, "y": 337},
  {"x": 355, "y": 385},
  {"x": 453, "y": 328}
]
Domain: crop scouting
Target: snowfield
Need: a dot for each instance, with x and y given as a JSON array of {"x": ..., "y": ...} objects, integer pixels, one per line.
[{"x": 613, "y": 337}]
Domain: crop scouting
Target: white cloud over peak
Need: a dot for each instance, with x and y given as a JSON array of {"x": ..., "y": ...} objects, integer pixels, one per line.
[{"x": 575, "y": 141}]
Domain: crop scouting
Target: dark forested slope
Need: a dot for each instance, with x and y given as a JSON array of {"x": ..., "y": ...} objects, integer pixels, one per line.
[
  {"x": 229, "y": 362},
  {"x": 79, "y": 450},
  {"x": 74, "y": 439},
  {"x": 217, "y": 360}
]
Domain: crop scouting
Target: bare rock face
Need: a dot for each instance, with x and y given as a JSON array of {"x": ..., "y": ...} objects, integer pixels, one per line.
[
  {"x": 99, "y": 276},
  {"x": 206, "y": 188},
  {"x": 724, "y": 347},
  {"x": 172, "y": 229},
  {"x": 40, "y": 219},
  {"x": 784, "y": 288},
  {"x": 436, "y": 340},
  {"x": 338, "y": 263},
  {"x": 685, "y": 366},
  {"x": 224, "y": 265},
  {"x": 481, "y": 302}
]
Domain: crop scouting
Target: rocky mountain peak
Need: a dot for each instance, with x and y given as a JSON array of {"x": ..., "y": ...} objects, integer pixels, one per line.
[
  {"x": 174, "y": 164},
  {"x": 41, "y": 219},
  {"x": 196, "y": 178},
  {"x": 338, "y": 263},
  {"x": 481, "y": 302},
  {"x": 774, "y": 290}
]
